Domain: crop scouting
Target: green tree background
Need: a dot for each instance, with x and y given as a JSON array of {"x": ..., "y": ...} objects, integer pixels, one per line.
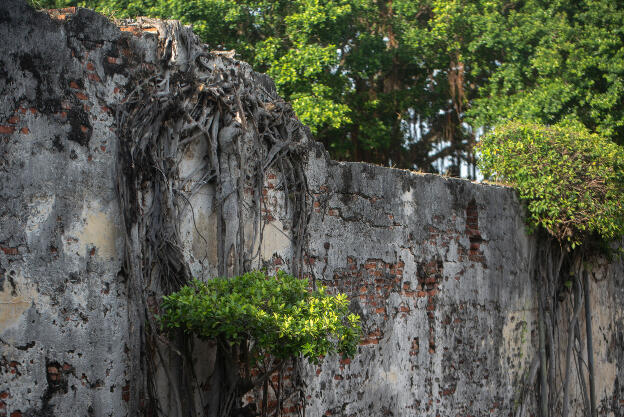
[{"x": 410, "y": 83}]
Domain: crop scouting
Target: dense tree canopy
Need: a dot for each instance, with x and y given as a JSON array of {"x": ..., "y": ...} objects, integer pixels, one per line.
[{"x": 410, "y": 82}]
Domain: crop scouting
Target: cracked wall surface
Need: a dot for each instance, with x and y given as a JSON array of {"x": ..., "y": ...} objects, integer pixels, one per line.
[
  {"x": 63, "y": 308},
  {"x": 438, "y": 268}
]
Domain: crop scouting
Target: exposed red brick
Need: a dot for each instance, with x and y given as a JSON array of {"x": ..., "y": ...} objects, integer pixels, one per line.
[
  {"x": 431, "y": 280},
  {"x": 7, "y": 130},
  {"x": 125, "y": 393},
  {"x": 9, "y": 251},
  {"x": 449, "y": 391},
  {"x": 131, "y": 29},
  {"x": 74, "y": 84},
  {"x": 16, "y": 413},
  {"x": 81, "y": 96},
  {"x": 90, "y": 66},
  {"x": 25, "y": 130},
  {"x": 94, "y": 77},
  {"x": 13, "y": 120}
]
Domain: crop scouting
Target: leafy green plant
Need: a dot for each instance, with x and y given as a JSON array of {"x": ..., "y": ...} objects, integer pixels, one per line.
[
  {"x": 572, "y": 180},
  {"x": 279, "y": 314},
  {"x": 261, "y": 321}
]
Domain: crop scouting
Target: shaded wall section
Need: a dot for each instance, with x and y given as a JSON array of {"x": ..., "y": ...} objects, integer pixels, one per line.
[{"x": 438, "y": 268}]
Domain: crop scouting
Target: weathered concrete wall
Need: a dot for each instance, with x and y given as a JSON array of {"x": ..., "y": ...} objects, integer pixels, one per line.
[
  {"x": 438, "y": 268},
  {"x": 64, "y": 326}
]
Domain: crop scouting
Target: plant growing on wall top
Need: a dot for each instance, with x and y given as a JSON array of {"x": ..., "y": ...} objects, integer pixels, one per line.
[
  {"x": 572, "y": 180},
  {"x": 259, "y": 321},
  {"x": 573, "y": 184}
]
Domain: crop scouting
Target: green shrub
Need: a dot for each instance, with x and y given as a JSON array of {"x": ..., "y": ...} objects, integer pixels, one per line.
[
  {"x": 572, "y": 180},
  {"x": 276, "y": 315}
]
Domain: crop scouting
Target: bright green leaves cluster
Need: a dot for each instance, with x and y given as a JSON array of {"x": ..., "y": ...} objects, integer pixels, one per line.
[
  {"x": 276, "y": 315},
  {"x": 572, "y": 180}
]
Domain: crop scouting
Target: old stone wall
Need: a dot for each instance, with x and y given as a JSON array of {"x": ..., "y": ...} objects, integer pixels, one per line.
[{"x": 438, "y": 268}]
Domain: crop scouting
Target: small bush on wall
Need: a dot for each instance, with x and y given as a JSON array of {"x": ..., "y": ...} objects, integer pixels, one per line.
[
  {"x": 572, "y": 180},
  {"x": 261, "y": 321}
]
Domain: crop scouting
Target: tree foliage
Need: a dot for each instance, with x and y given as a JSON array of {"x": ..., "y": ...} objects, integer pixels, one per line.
[
  {"x": 572, "y": 180},
  {"x": 410, "y": 82},
  {"x": 276, "y": 316},
  {"x": 554, "y": 61}
]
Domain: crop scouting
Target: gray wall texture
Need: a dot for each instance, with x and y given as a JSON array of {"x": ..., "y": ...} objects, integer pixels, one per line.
[{"x": 438, "y": 268}]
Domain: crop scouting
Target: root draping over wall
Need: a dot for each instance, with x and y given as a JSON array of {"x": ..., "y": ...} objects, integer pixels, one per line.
[
  {"x": 132, "y": 158},
  {"x": 191, "y": 96}
]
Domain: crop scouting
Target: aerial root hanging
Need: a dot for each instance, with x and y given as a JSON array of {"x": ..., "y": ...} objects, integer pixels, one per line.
[{"x": 195, "y": 96}]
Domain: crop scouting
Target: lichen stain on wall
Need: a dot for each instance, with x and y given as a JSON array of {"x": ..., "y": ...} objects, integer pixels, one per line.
[
  {"x": 40, "y": 210},
  {"x": 604, "y": 328},
  {"x": 275, "y": 240},
  {"x": 97, "y": 230},
  {"x": 16, "y": 296},
  {"x": 517, "y": 349}
]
